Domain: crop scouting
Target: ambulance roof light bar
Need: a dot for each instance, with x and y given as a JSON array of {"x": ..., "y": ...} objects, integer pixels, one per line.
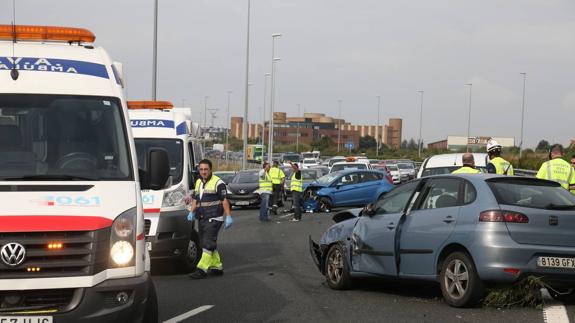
[
  {"x": 46, "y": 33},
  {"x": 158, "y": 105}
]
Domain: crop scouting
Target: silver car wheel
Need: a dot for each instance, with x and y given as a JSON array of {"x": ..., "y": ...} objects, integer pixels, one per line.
[
  {"x": 335, "y": 266},
  {"x": 192, "y": 251},
  {"x": 456, "y": 279}
]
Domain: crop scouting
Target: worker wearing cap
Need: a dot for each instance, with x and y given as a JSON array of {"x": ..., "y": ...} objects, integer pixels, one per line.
[
  {"x": 265, "y": 189},
  {"x": 296, "y": 189},
  {"x": 468, "y": 165},
  {"x": 497, "y": 165},
  {"x": 278, "y": 178},
  {"x": 557, "y": 169},
  {"x": 209, "y": 205}
]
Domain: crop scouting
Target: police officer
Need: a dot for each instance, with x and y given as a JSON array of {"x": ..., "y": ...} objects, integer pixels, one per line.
[
  {"x": 296, "y": 189},
  {"x": 468, "y": 165},
  {"x": 557, "y": 169},
  {"x": 497, "y": 165},
  {"x": 277, "y": 176},
  {"x": 209, "y": 205},
  {"x": 265, "y": 190}
]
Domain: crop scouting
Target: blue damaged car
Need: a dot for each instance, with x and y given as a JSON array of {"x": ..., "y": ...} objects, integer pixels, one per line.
[
  {"x": 466, "y": 232},
  {"x": 352, "y": 187}
]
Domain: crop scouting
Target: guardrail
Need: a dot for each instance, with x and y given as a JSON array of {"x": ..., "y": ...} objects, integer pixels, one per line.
[{"x": 524, "y": 172}]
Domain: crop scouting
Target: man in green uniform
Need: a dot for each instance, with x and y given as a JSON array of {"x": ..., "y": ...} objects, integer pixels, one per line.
[
  {"x": 497, "y": 165},
  {"x": 468, "y": 165},
  {"x": 557, "y": 169}
]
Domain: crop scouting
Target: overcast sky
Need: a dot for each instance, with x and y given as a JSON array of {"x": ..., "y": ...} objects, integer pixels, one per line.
[{"x": 351, "y": 50}]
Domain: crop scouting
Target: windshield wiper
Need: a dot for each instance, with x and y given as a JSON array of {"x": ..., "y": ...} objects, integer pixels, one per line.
[
  {"x": 50, "y": 177},
  {"x": 552, "y": 206}
]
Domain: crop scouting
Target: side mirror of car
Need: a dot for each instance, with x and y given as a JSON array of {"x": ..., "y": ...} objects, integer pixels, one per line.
[
  {"x": 369, "y": 210},
  {"x": 338, "y": 185}
]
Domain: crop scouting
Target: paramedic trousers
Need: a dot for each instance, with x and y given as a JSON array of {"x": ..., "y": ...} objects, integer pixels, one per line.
[
  {"x": 209, "y": 229},
  {"x": 276, "y": 194},
  {"x": 264, "y": 206},
  {"x": 296, "y": 200}
]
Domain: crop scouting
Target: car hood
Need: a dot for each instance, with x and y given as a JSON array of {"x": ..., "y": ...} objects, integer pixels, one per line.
[{"x": 243, "y": 188}]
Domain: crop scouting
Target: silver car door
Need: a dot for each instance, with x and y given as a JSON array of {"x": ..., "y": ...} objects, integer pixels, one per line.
[{"x": 374, "y": 237}]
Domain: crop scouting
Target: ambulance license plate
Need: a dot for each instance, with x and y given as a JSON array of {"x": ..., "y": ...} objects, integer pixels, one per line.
[
  {"x": 148, "y": 246},
  {"x": 26, "y": 319}
]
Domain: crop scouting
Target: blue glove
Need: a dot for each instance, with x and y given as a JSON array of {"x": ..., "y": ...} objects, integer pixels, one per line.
[
  {"x": 191, "y": 216},
  {"x": 229, "y": 222}
]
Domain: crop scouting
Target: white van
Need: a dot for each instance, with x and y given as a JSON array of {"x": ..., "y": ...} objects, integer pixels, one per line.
[
  {"x": 72, "y": 242},
  {"x": 447, "y": 163},
  {"x": 169, "y": 235}
]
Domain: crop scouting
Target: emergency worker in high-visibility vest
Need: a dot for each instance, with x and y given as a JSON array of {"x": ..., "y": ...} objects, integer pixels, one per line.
[
  {"x": 468, "y": 162},
  {"x": 497, "y": 165},
  {"x": 557, "y": 169},
  {"x": 278, "y": 177},
  {"x": 296, "y": 189},
  {"x": 212, "y": 209},
  {"x": 265, "y": 190}
]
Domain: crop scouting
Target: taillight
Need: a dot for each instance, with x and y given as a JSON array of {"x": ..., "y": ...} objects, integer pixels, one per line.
[{"x": 503, "y": 216}]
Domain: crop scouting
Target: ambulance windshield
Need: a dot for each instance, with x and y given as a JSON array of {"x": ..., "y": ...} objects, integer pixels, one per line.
[
  {"x": 174, "y": 147},
  {"x": 62, "y": 137}
]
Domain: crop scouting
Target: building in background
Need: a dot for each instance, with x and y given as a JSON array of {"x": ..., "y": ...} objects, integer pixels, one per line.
[
  {"x": 476, "y": 144},
  {"x": 314, "y": 126}
]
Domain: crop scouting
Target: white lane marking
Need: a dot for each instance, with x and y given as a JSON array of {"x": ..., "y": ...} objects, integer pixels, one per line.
[
  {"x": 554, "y": 311},
  {"x": 189, "y": 314}
]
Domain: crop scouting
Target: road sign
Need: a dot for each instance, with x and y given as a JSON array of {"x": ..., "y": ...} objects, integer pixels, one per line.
[{"x": 349, "y": 145}]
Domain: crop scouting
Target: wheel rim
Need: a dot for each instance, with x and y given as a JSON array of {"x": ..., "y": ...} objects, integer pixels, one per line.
[
  {"x": 456, "y": 279},
  {"x": 335, "y": 266},
  {"x": 192, "y": 251},
  {"x": 323, "y": 205}
]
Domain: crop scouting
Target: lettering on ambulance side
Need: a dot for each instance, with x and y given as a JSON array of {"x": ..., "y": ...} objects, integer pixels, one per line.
[
  {"x": 53, "y": 65},
  {"x": 152, "y": 123},
  {"x": 148, "y": 199},
  {"x": 65, "y": 200}
]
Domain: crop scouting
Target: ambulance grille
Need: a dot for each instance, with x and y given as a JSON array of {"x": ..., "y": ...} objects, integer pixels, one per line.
[
  {"x": 42, "y": 299},
  {"x": 82, "y": 253},
  {"x": 147, "y": 225}
]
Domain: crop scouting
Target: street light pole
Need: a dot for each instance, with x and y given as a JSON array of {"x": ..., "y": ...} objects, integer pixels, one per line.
[
  {"x": 469, "y": 115},
  {"x": 297, "y": 135},
  {"x": 264, "y": 112},
  {"x": 228, "y": 125},
  {"x": 339, "y": 126},
  {"x": 378, "y": 132},
  {"x": 272, "y": 97},
  {"x": 245, "y": 149},
  {"x": 205, "y": 111},
  {"x": 420, "y": 123},
  {"x": 155, "y": 55},
  {"x": 522, "y": 113}
]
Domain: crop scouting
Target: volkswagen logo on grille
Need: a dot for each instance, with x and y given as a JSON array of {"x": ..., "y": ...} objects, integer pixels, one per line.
[
  {"x": 242, "y": 191},
  {"x": 13, "y": 254}
]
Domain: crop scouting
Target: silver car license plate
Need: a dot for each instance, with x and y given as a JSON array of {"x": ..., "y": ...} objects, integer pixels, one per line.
[
  {"x": 242, "y": 203},
  {"x": 556, "y": 262},
  {"x": 149, "y": 245},
  {"x": 26, "y": 319}
]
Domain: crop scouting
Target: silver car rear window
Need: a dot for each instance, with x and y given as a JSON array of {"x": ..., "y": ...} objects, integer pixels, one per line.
[{"x": 531, "y": 193}]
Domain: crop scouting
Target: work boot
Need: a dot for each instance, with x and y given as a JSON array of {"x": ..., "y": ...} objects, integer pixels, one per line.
[
  {"x": 216, "y": 272},
  {"x": 198, "y": 274}
]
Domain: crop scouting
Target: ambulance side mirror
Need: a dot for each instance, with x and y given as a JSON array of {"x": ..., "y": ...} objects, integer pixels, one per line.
[{"x": 158, "y": 171}]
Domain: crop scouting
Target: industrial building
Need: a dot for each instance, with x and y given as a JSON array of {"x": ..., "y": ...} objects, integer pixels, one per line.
[{"x": 476, "y": 144}]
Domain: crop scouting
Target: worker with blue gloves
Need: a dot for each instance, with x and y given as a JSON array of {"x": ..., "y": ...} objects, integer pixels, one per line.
[{"x": 212, "y": 209}]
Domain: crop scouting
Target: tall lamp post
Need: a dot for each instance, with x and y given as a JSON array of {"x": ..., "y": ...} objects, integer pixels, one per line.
[
  {"x": 378, "y": 131},
  {"x": 228, "y": 124},
  {"x": 339, "y": 125},
  {"x": 297, "y": 135},
  {"x": 264, "y": 110},
  {"x": 420, "y": 123},
  {"x": 245, "y": 135},
  {"x": 206, "y": 111},
  {"x": 155, "y": 54},
  {"x": 469, "y": 115},
  {"x": 522, "y": 114},
  {"x": 272, "y": 97}
]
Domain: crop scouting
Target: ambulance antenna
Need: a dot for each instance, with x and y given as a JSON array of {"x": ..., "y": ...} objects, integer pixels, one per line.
[{"x": 14, "y": 72}]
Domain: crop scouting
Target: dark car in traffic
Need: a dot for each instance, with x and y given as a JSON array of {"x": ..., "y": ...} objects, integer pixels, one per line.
[{"x": 242, "y": 190}]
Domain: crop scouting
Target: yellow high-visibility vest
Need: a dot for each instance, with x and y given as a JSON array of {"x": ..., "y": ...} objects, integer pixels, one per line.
[
  {"x": 557, "y": 170},
  {"x": 466, "y": 170},
  {"x": 296, "y": 184}
]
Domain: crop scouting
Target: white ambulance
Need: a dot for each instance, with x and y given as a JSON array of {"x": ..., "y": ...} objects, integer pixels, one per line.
[
  {"x": 169, "y": 235},
  {"x": 72, "y": 235}
]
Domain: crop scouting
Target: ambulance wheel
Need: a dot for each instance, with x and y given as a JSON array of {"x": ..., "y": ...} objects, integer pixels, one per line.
[
  {"x": 191, "y": 254},
  {"x": 151, "y": 311}
]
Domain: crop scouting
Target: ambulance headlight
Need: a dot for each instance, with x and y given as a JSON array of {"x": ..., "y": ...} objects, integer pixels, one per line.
[
  {"x": 174, "y": 197},
  {"x": 122, "y": 253},
  {"x": 123, "y": 239}
]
